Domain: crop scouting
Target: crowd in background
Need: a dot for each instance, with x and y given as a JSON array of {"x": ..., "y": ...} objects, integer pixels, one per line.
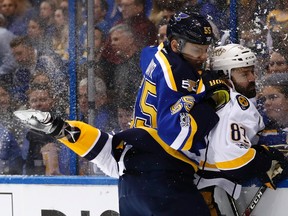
[{"x": 34, "y": 41}]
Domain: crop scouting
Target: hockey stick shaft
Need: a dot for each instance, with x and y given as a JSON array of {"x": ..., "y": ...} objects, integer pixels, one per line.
[
  {"x": 233, "y": 205},
  {"x": 255, "y": 200}
]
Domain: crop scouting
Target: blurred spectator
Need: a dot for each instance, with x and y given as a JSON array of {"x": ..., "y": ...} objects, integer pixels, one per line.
[
  {"x": 278, "y": 62},
  {"x": 41, "y": 79},
  {"x": 124, "y": 114},
  {"x": 36, "y": 33},
  {"x": 125, "y": 79},
  {"x": 113, "y": 14},
  {"x": 17, "y": 14},
  {"x": 163, "y": 9},
  {"x": 64, "y": 4},
  {"x": 39, "y": 148},
  {"x": 61, "y": 35},
  {"x": 7, "y": 118},
  {"x": 47, "y": 11},
  {"x": 252, "y": 29},
  {"x": 7, "y": 62},
  {"x": 99, "y": 43},
  {"x": 2, "y": 20},
  {"x": 162, "y": 28},
  {"x": 277, "y": 22},
  {"x": 133, "y": 14},
  {"x": 10, "y": 153},
  {"x": 215, "y": 11},
  {"x": 274, "y": 96},
  {"x": 145, "y": 31},
  {"x": 98, "y": 67},
  {"x": 29, "y": 61},
  {"x": 105, "y": 116},
  {"x": 100, "y": 10}
]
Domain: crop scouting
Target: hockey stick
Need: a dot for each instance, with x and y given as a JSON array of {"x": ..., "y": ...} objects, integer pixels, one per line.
[
  {"x": 255, "y": 200},
  {"x": 281, "y": 147},
  {"x": 233, "y": 205}
]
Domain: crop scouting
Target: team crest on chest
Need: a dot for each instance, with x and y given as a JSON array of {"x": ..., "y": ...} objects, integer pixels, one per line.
[
  {"x": 243, "y": 102},
  {"x": 190, "y": 85}
]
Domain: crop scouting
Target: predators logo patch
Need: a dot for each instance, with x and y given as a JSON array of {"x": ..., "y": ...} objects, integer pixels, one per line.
[{"x": 243, "y": 102}]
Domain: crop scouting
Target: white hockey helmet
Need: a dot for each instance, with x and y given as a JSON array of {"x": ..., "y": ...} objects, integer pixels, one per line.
[{"x": 230, "y": 56}]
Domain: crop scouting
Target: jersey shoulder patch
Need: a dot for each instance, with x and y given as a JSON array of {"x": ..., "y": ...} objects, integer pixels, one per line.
[{"x": 243, "y": 102}]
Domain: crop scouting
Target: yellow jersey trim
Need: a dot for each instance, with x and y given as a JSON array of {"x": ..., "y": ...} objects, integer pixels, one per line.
[
  {"x": 238, "y": 162},
  {"x": 174, "y": 153}
]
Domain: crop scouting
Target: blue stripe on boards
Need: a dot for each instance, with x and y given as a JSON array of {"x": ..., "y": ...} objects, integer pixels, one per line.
[{"x": 60, "y": 180}]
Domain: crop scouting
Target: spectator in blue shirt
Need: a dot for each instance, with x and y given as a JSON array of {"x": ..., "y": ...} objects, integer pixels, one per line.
[{"x": 10, "y": 153}]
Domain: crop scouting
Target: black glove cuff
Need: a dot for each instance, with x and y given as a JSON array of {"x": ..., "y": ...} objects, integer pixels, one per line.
[
  {"x": 57, "y": 126},
  {"x": 272, "y": 153}
]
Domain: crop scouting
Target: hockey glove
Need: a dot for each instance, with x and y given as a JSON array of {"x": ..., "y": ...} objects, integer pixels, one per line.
[
  {"x": 281, "y": 147},
  {"x": 216, "y": 89},
  {"x": 41, "y": 121},
  {"x": 279, "y": 166}
]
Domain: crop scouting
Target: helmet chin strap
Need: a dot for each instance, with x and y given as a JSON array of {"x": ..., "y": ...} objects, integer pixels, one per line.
[{"x": 232, "y": 84}]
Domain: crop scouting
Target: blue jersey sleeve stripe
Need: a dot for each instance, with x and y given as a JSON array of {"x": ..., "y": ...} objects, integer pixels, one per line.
[{"x": 167, "y": 72}]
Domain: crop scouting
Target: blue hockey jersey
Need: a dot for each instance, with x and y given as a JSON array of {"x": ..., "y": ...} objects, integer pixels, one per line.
[{"x": 164, "y": 99}]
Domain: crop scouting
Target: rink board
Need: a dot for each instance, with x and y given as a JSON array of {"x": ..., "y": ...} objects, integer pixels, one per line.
[
  {"x": 91, "y": 196},
  {"x": 57, "y": 196}
]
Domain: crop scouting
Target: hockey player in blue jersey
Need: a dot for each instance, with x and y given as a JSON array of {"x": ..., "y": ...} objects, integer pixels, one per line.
[
  {"x": 171, "y": 72},
  {"x": 154, "y": 178}
]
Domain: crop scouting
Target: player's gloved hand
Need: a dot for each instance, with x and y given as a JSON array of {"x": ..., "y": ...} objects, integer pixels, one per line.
[
  {"x": 40, "y": 121},
  {"x": 279, "y": 166},
  {"x": 215, "y": 89},
  {"x": 281, "y": 147}
]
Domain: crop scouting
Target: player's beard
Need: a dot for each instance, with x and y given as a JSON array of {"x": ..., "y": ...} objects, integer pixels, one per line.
[{"x": 249, "y": 91}]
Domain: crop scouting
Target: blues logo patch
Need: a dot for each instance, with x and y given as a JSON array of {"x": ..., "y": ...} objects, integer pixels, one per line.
[
  {"x": 243, "y": 102},
  {"x": 181, "y": 16}
]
